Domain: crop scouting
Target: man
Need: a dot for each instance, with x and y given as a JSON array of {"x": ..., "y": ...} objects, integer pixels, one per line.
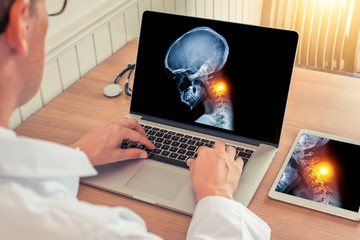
[{"x": 39, "y": 180}]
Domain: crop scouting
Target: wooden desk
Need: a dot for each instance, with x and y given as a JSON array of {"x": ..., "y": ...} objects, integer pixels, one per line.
[{"x": 318, "y": 101}]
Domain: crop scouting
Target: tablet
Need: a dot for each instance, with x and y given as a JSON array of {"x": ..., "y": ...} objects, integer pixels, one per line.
[{"x": 321, "y": 172}]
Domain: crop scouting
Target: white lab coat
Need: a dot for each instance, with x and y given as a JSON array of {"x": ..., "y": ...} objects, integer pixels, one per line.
[{"x": 39, "y": 182}]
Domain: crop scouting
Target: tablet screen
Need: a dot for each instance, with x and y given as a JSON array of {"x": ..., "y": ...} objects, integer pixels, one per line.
[{"x": 323, "y": 170}]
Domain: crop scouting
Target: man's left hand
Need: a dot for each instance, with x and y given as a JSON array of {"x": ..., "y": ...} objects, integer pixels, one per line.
[{"x": 102, "y": 144}]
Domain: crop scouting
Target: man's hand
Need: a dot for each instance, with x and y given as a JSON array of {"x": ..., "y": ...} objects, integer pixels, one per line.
[
  {"x": 215, "y": 172},
  {"x": 102, "y": 144}
]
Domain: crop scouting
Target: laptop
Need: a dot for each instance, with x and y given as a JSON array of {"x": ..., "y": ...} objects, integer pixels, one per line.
[{"x": 198, "y": 81}]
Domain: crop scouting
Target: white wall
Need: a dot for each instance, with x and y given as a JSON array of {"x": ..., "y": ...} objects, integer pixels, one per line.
[{"x": 89, "y": 31}]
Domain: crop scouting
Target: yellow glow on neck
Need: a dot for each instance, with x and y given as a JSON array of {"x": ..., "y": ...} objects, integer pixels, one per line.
[
  {"x": 325, "y": 169},
  {"x": 220, "y": 88}
]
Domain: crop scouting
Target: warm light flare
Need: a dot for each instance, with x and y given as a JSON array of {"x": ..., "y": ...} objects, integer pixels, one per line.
[
  {"x": 321, "y": 172},
  {"x": 219, "y": 88},
  {"x": 325, "y": 169}
]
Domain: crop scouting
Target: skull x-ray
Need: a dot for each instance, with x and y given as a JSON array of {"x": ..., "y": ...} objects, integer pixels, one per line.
[{"x": 194, "y": 61}]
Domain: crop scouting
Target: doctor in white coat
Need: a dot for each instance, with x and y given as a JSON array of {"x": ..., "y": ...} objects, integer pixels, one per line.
[{"x": 39, "y": 180}]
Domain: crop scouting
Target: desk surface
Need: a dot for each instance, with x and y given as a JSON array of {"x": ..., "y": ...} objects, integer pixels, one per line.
[{"x": 318, "y": 101}]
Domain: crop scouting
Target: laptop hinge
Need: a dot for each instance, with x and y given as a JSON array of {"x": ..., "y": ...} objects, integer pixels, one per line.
[{"x": 199, "y": 129}]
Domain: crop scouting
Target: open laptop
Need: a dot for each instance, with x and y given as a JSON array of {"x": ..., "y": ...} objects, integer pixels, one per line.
[{"x": 197, "y": 81}]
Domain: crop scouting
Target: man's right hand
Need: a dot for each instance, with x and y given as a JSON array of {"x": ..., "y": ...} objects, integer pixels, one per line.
[{"x": 215, "y": 172}]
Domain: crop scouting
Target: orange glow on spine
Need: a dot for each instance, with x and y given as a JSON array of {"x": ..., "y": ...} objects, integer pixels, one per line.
[
  {"x": 219, "y": 89},
  {"x": 320, "y": 172}
]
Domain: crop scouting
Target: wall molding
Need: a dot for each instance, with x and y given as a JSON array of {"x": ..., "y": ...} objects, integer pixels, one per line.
[{"x": 76, "y": 30}]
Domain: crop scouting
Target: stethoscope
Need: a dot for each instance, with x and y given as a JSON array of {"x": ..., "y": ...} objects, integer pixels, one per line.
[{"x": 114, "y": 89}]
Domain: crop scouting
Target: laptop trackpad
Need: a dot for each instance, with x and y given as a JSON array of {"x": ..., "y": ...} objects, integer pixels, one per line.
[{"x": 157, "y": 181}]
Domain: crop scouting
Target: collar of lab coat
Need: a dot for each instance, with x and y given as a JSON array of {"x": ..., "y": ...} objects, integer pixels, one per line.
[{"x": 31, "y": 158}]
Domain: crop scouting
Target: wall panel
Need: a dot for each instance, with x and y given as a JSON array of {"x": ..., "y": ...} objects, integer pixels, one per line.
[
  {"x": 51, "y": 85},
  {"x": 209, "y": 8},
  {"x": 190, "y": 7},
  {"x": 169, "y": 6},
  {"x": 180, "y": 7},
  {"x": 157, "y": 5},
  {"x": 103, "y": 46},
  {"x": 69, "y": 68},
  {"x": 118, "y": 32},
  {"x": 217, "y": 9},
  {"x": 239, "y": 11},
  {"x": 86, "y": 54},
  {"x": 232, "y": 10},
  {"x": 225, "y": 10},
  {"x": 132, "y": 24},
  {"x": 143, "y": 5},
  {"x": 200, "y": 8}
]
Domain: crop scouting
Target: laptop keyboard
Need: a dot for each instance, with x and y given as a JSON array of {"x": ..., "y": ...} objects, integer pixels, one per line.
[{"x": 175, "y": 148}]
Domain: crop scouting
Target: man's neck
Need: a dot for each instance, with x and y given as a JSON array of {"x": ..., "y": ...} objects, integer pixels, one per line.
[
  {"x": 4, "y": 122},
  {"x": 11, "y": 83},
  {"x": 5, "y": 115},
  {"x": 7, "y": 107}
]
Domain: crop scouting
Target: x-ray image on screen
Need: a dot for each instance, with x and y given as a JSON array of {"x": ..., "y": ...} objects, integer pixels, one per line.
[
  {"x": 321, "y": 170},
  {"x": 218, "y": 78},
  {"x": 195, "y": 61}
]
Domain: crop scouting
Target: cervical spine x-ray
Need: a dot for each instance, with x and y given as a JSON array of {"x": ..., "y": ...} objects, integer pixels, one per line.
[
  {"x": 311, "y": 172},
  {"x": 194, "y": 61}
]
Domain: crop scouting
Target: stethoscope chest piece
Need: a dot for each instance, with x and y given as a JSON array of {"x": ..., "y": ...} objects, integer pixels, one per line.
[{"x": 112, "y": 90}]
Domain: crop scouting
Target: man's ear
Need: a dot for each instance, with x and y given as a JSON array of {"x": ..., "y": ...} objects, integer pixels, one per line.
[{"x": 17, "y": 30}]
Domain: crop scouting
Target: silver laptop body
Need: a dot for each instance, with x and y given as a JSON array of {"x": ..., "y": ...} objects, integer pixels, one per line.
[{"x": 209, "y": 80}]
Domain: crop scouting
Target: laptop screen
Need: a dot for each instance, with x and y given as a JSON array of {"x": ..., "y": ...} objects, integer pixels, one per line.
[{"x": 229, "y": 77}]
